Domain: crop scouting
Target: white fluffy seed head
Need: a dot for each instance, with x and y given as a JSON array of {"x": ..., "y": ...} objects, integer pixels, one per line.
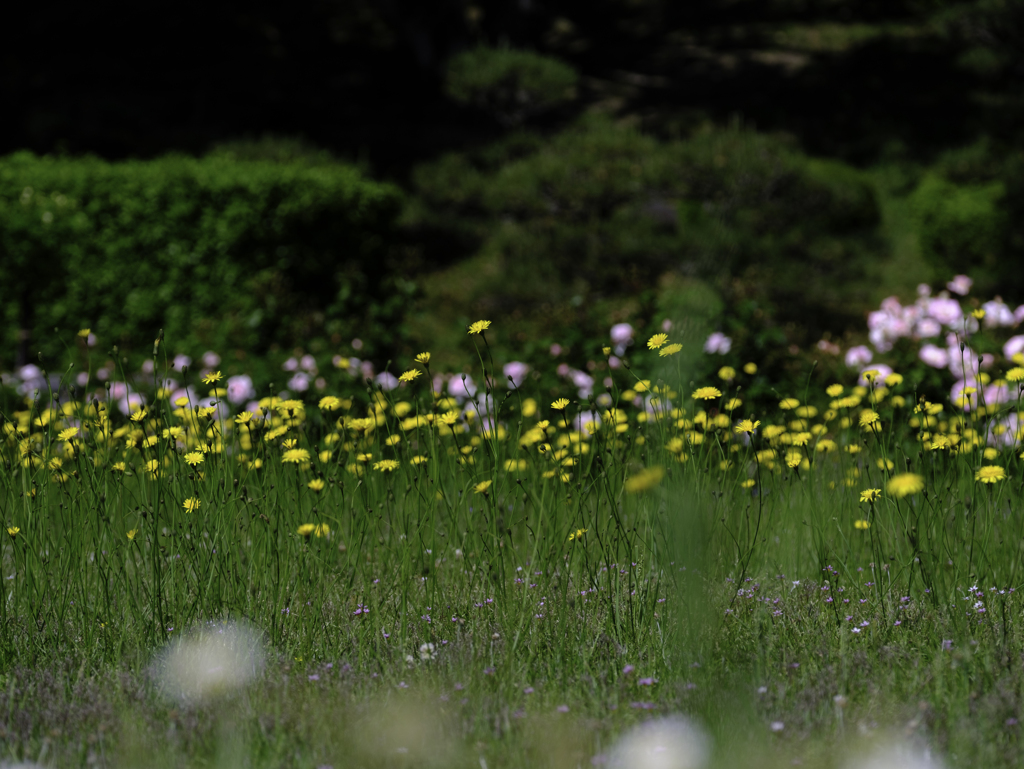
[
  {"x": 211, "y": 661},
  {"x": 673, "y": 742},
  {"x": 897, "y": 755}
]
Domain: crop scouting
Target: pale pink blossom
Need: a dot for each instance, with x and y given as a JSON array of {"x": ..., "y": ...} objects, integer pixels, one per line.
[
  {"x": 998, "y": 314},
  {"x": 881, "y": 372},
  {"x": 516, "y": 371},
  {"x": 936, "y": 357},
  {"x": 927, "y": 327},
  {"x": 859, "y": 356},
  {"x": 718, "y": 343},
  {"x": 961, "y": 284},
  {"x": 970, "y": 399},
  {"x": 946, "y": 311},
  {"x": 1013, "y": 346}
]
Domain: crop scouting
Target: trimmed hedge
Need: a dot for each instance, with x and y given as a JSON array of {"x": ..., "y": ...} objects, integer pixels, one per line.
[{"x": 221, "y": 253}]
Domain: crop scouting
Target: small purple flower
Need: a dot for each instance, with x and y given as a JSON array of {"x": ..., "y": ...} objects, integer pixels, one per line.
[
  {"x": 858, "y": 357},
  {"x": 562, "y": 708},
  {"x": 961, "y": 284},
  {"x": 627, "y": 670},
  {"x": 718, "y": 343},
  {"x": 647, "y": 681}
]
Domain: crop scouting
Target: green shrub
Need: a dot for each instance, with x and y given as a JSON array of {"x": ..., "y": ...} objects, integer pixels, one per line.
[
  {"x": 221, "y": 253},
  {"x": 599, "y": 212},
  {"x": 510, "y": 84},
  {"x": 961, "y": 226}
]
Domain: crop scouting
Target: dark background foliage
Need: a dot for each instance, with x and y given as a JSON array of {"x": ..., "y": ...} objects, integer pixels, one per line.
[{"x": 565, "y": 164}]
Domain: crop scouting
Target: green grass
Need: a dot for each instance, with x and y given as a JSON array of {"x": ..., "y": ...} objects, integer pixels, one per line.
[{"x": 518, "y": 596}]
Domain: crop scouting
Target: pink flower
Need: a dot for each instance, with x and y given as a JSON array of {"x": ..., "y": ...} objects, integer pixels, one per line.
[
  {"x": 622, "y": 337},
  {"x": 516, "y": 371},
  {"x": 998, "y": 314},
  {"x": 240, "y": 388},
  {"x": 970, "y": 398},
  {"x": 1014, "y": 345},
  {"x": 934, "y": 356},
  {"x": 718, "y": 343},
  {"x": 859, "y": 356},
  {"x": 211, "y": 359},
  {"x": 961, "y": 284},
  {"x": 461, "y": 387},
  {"x": 946, "y": 311},
  {"x": 927, "y": 327}
]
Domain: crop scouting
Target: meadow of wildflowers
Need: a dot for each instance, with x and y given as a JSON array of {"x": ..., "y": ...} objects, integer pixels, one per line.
[{"x": 427, "y": 568}]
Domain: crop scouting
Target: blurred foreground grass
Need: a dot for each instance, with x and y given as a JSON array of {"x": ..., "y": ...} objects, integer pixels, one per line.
[{"x": 432, "y": 580}]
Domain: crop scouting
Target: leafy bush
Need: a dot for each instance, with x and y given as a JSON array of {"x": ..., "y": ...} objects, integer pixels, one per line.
[
  {"x": 219, "y": 252},
  {"x": 510, "y": 84},
  {"x": 588, "y": 221}
]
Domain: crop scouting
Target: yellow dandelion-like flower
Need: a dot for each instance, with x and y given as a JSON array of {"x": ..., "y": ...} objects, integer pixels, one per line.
[
  {"x": 138, "y": 415},
  {"x": 295, "y": 456},
  {"x": 870, "y": 495},
  {"x": 410, "y": 375},
  {"x": 645, "y": 479},
  {"x": 194, "y": 458},
  {"x": 834, "y": 390},
  {"x": 12, "y": 531},
  {"x": 794, "y": 459},
  {"x": 191, "y": 504},
  {"x": 68, "y": 434},
  {"x": 419, "y": 459},
  {"x": 788, "y": 403},
  {"x": 322, "y": 530},
  {"x": 825, "y": 446},
  {"x": 578, "y": 534},
  {"x": 861, "y": 524},
  {"x": 306, "y": 530},
  {"x": 671, "y": 349},
  {"x": 244, "y": 418},
  {"x": 423, "y": 358},
  {"x": 727, "y": 373},
  {"x": 479, "y": 327},
  {"x": 748, "y": 484},
  {"x": 449, "y": 418},
  {"x": 386, "y": 465},
  {"x": 978, "y": 313},
  {"x": 212, "y": 378},
  {"x": 131, "y": 534},
  {"x": 905, "y": 484},
  {"x": 119, "y": 467},
  {"x": 1016, "y": 374},
  {"x": 894, "y": 379},
  {"x": 868, "y": 417},
  {"x": 84, "y": 332},
  {"x": 317, "y": 484},
  {"x": 747, "y": 426},
  {"x": 606, "y": 351},
  {"x": 732, "y": 404},
  {"x": 330, "y": 403},
  {"x": 153, "y": 465},
  {"x": 706, "y": 393},
  {"x": 750, "y": 368},
  {"x": 481, "y": 487},
  {"x": 560, "y": 404},
  {"x": 990, "y": 474},
  {"x": 657, "y": 341}
]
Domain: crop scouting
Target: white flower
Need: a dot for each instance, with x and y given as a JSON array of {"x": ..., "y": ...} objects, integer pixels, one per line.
[{"x": 674, "y": 742}]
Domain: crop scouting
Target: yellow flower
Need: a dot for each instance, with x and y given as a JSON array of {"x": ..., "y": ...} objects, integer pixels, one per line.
[
  {"x": 68, "y": 434},
  {"x": 306, "y": 530},
  {"x": 212, "y": 377},
  {"x": 317, "y": 484},
  {"x": 645, "y": 479},
  {"x": 870, "y": 495},
  {"x": 990, "y": 474},
  {"x": 560, "y": 404},
  {"x": 861, "y": 524},
  {"x": 194, "y": 458},
  {"x": 868, "y": 417},
  {"x": 1016, "y": 374},
  {"x": 577, "y": 534},
  {"x": 894, "y": 379},
  {"x": 732, "y": 404},
  {"x": 606, "y": 351},
  {"x": 419, "y": 459},
  {"x": 449, "y": 418},
  {"x": 727, "y": 373},
  {"x": 657, "y": 341},
  {"x": 834, "y": 390},
  {"x": 330, "y": 403},
  {"x": 153, "y": 465},
  {"x": 905, "y": 483},
  {"x": 410, "y": 375},
  {"x": 671, "y": 349},
  {"x": 84, "y": 333},
  {"x": 191, "y": 505},
  {"x": 750, "y": 368},
  {"x": 119, "y": 467},
  {"x": 788, "y": 403},
  {"x": 482, "y": 487},
  {"x": 131, "y": 534},
  {"x": 706, "y": 393},
  {"x": 747, "y": 426},
  {"x": 244, "y": 418},
  {"x": 748, "y": 484},
  {"x": 322, "y": 530},
  {"x": 479, "y": 327},
  {"x": 387, "y": 465},
  {"x": 12, "y": 531},
  {"x": 295, "y": 456},
  {"x": 138, "y": 415},
  {"x": 979, "y": 313},
  {"x": 423, "y": 358},
  {"x": 181, "y": 401}
]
